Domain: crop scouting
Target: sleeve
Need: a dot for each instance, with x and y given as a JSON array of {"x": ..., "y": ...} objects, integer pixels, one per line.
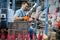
[{"x": 17, "y": 13}]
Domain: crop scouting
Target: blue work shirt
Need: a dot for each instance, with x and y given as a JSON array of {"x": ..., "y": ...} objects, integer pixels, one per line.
[{"x": 20, "y": 13}]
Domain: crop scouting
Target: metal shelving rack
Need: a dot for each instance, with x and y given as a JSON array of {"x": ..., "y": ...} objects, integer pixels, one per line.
[
  {"x": 3, "y": 13},
  {"x": 4, "y": 10}
]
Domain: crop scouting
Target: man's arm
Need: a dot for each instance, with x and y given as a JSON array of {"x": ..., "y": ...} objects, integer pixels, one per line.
[
  {"x": 18, "y": 18},
  {"x": 17, "y": 15}
]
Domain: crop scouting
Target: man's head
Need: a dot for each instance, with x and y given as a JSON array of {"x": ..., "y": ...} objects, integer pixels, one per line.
[{"x": 24, "y": 5}]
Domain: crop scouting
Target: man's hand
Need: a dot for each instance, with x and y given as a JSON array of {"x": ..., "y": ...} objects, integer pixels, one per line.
[{"x": 26, "y": 18}]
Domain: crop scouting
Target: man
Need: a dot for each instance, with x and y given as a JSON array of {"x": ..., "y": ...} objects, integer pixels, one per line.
[{"x": 20, "y": 13}]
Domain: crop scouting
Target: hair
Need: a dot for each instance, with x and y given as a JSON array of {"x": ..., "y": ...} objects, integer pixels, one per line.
[{"x": 25, "y": 2}]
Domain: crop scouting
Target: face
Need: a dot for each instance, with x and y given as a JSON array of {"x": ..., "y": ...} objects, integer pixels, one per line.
[{"x": 25, "y": 6}]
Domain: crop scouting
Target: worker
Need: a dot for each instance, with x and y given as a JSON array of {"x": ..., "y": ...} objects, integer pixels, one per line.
[{"x": 20, "y": 13}]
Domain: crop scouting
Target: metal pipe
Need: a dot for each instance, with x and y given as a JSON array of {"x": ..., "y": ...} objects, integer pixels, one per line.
[
  {"x": 8, "y": 4},
  {"x": 13, "y": 5},
  {"x": 46, "y": 18}
]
